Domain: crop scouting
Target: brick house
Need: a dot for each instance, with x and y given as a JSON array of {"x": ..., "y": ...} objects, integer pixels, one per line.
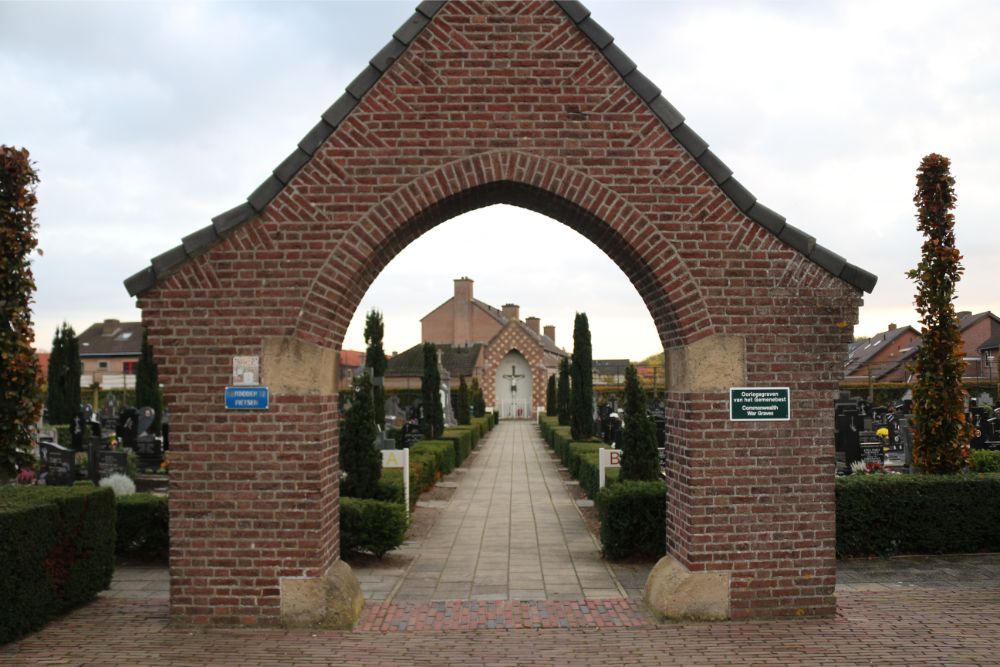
[
  {"x": 109, "y": 353},
  {"x": 512, "y": 359}
]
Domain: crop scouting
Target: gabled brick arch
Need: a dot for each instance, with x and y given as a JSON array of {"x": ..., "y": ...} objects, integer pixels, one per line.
[
  {"x": 518, "y": 178},
  {"x": 508, "y": 339},
  {"x": 474, "y": 103}
]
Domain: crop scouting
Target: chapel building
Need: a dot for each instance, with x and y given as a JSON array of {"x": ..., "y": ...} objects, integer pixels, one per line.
[{"x": 511, "y": 358}]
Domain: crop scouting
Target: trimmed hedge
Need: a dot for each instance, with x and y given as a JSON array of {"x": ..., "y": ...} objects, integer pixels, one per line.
[
  {"x": 892, "y": 514},
  {"x": 443, "y": 452},
  {"x": 461, "y": 440},
  {"x": 57, "y": 551},
  {"x": 372, "y": 526},
  {"x": 633, "y": 519},
  {"x": 142, "y": 527},
  {"x": 984, "y": 460}
]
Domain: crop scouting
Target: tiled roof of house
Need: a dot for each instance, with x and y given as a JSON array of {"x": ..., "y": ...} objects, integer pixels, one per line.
[
  {"x": 669, "y": 116},
  {"x": 861, "y": 352},
  {"x": 352, "y": 358},
  {"x": 111, "y": 338},
  {"x": 991, "y": 344},
  {"x": 456, "y": 360}
]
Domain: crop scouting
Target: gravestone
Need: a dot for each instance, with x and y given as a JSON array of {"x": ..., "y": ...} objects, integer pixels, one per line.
[
  {"x": 872, "y": 448},
  {"x": 146, "y": 418},
  {"x": 127, "y": 428},
  {"x": 149, "y": 449},
  {"x": 76, "y": 431},
  {"x": 847, "y": 444},
  {"x": 58, "y": 465},
  {"x": 48, "y": 434},
  {"x": 111, "y": 463},
  {"x": 979, "y": 419},
  {"x": 382, "y": 442}
]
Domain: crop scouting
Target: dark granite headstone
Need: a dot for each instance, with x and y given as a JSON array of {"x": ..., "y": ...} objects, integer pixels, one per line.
[
  {"x": 846, "y": 443},
  {"x": 111, "y": 463},
  {"x": 149, "y": 449},
  {"x": 58, "y": 465},
  {"x": 76, "y": 431},
  {"x": 147, "y": 416},
  {"x": 872, "y": 448},
  {"x": 127, "y": 428}
]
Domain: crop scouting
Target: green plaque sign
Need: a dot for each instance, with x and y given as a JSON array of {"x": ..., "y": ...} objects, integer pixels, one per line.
[{"x": 760, "y": 404}]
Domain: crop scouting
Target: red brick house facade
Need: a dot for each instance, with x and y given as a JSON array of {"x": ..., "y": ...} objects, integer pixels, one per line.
[{"x": 472, "y": 104}]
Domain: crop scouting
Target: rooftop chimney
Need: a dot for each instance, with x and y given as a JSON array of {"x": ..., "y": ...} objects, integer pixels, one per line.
[
  {"x": 463, "y": 289},
  {"x": 550, "y": 332},
  {"x": 892, "y": 326},
  {"x": 109, "y": 327},
  {"x": 511, "y": 311},
  {"x": 965, "y": 313},
  {"x": 533, "y": 323}
]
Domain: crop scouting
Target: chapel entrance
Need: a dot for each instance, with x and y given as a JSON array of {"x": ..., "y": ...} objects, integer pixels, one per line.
[
  {"x": 514, "y": 387},
  {"x": 471, "y": 104}
]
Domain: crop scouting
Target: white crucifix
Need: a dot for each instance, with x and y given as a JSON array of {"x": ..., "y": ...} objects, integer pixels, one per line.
[{"x": 513, "y": 377}]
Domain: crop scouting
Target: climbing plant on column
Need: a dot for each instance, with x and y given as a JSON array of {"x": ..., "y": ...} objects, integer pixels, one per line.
[
  {"x": 19, "y": 399},
  {"x": 941, "y": 434}
]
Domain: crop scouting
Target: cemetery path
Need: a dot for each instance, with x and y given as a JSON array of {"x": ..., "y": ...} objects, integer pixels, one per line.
[{"x": 511, "y": 531}]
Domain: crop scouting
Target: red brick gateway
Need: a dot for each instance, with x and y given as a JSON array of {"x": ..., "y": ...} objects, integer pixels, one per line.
[{"x": 472, "y": 104}]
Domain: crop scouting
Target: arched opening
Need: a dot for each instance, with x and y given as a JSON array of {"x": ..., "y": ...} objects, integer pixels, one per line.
[{"x": 513, "y": 381}]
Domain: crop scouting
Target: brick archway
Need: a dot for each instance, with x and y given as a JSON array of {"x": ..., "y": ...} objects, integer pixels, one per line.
[{"x": 474, "y": 103}]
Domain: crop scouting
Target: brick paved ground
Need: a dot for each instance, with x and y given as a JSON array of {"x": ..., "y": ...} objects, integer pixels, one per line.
[{"x": 905, "y": 626}]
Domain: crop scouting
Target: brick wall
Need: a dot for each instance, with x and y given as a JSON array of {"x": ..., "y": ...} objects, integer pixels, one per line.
[{"x": 500, "y": 102}]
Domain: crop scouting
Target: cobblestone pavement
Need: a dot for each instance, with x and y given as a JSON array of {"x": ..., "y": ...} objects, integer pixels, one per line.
[{"x": 904, "y": 626}]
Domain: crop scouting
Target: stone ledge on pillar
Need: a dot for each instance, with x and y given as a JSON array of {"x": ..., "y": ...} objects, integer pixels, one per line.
[
  {"x": 672, "y": 591},
  {"x": 708, "y": 365},
  {"x": 294, "y": 367},
  {"x": 333, "y": 601}
]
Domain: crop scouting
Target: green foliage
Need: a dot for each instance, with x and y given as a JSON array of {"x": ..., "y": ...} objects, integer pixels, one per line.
[
  {"x": 359, "y": 458},
  {"x": 430, "y": 388},
  {"x": 892, "y": 514},
  {"x": 633, "y": 519},
  {"x": 463, "y": 408},
  {"x": 462, "y": 439},
  {"x": 640, "y": 460},
  {"x": 375, "y": 360},
  {"x": 57, "y": 547},
  {"x": 19, "y": 373},
  {"x": 63, "y": 400},
  {"x": 940, "y": 434},
  {"x": 550, "y": 396},
  {"x": 478, "y": 402},
  {"x": 484, "y": 424},
  {"x": 582, "y": 411},
  {"x": 563, "y": 394},
  {"x": 373, "y": 526},
  {"x": 982, "y": 460},
  {"x": 443, "y": 452},
  {"x": 142, "y": 526},
  {"x": 147, "y": 384}
]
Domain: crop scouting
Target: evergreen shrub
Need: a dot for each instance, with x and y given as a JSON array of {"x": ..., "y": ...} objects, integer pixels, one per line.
[
  {"x": 917, "y": 514},
  {"x": 142, "y": 526},
  {"x": 982, "y": 460},
  {"x": 461, "y": 439},
  {"x": 443, "y": 452},
  {"x": 633, "y": 519},
  {"x": 372, "y": 526},
  {"x": 57, "y": 550}
]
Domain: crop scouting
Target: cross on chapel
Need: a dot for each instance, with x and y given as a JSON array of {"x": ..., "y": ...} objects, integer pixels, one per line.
[{"x": 513, "y": 377}]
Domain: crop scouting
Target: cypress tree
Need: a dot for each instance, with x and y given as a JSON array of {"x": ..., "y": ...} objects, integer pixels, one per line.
[
  {"x": 19, "y": 401},
  {"x": 550, "y": 397},
  {"x": 640, "y": 460},
  {"x": 941, "y": 434},
  {"x": 462, "y": 406},
  {"x": 147, "y": 383},
  {"x": 582, "y": 408},
  {"x": 375, "y": 359},
  {"x": 359, "y": 458},
  {"x": 63, "y": 400},
  {"x": 563, "y": 395},
  {"x": 478, "y": 401},
  {"x": 430, "y": 388}
]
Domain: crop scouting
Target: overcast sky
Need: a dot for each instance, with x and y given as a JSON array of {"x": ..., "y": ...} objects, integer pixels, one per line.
[{"x": 145, "y": 120}]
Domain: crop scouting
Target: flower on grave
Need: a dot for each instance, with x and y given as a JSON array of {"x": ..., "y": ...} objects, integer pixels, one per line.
[
  {"x": 859, "y": 468},
  {"x": 883, "y": 433},
  {"x": 874, "y": 467},
  {"x": 122, "y": 485},
  {"x": 26, "y": 476}
]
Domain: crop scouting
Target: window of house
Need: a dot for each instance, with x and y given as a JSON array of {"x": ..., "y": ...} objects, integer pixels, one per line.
[
  {"x": 128, "y": 367},
  {"x": 102, "y": 364}
]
